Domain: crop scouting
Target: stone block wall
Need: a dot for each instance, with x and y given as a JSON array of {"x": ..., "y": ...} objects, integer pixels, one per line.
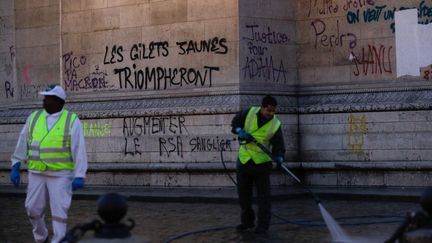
[
  {"x": 360, "y": 124},
  {"x": 267, "y": 33},
  {"x": 35, "y": 50},
  {"x": 149, "y": 48},
  {"x": 7, "y": 50},
  {"x": 157, "y": 82}
]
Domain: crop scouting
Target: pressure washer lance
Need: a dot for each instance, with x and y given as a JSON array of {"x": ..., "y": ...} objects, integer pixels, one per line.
[
  {"x": 337, "y": 233},
  {"x": 269, "y": 153}
]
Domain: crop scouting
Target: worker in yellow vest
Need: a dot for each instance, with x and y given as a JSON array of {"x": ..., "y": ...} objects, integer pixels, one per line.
[
  {"x": 257, "y": 124},
  {"x": 52, "y": 144}
]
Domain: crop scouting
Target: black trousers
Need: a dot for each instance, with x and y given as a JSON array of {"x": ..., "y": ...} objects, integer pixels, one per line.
[{"x": 248, "y": 176}]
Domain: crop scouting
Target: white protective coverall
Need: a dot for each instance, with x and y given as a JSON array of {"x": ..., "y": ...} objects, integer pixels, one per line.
[{"x": 53, "y": 185}]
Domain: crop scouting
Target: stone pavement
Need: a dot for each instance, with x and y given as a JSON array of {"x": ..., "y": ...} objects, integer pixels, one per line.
[
  {"x": 229, "y": 194},
  {"x": 162, "y": 214}
]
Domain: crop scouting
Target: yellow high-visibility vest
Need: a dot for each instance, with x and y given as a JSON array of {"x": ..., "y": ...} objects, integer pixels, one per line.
[
  {"x": 50, "y": 150},
  {"x": 262, "y": 135}
]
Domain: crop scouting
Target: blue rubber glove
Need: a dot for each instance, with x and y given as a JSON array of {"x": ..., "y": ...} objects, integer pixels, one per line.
[
  {"x": 15, "y": 174},
  {"x": 77, "y": 183},
  {"x": 279, "y": 160},
  {"x": 243, "y": 135}
]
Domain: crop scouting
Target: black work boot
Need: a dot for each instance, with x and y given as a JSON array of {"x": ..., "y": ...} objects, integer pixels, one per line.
[
  {"x": 260, "y": 230},
  {"x": 243, "y": 227}
]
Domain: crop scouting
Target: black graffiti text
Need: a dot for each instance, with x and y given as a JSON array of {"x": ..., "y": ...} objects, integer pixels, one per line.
[
  {"x": 264, "y": 68},
  {"x": 169, "y": 145},
  {"x": 326, "y": 39},
  {"x": 139, "y": 126},
  {"x": 142, "y": 51},
  {"x": 266, "y": 37},
  {"x": 30, "y": 90},
  {"x": 132, "y": 146},
  {"x": 256, "y": 50},
  {"x": 71, "y": 63},
  {"x": 323, "y": 7},
  {"x": 205, "y": 144},
  {"x": 9, "y": 90},
  {"x": 356, "y": 4},
  {"x": 12, "y": 53},
  {"x": 113, "y": 54},
  {"x": 161, "y": 78},
  {"x": 215, "y": 45},
  {"x": 95, "y": 80}
]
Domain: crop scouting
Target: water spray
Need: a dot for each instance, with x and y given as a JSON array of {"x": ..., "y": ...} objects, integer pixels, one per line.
[{"x": 336, "y": 231}]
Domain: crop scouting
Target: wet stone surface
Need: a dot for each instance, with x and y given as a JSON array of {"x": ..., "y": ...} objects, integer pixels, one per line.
[{"x": 158, "y": 222}]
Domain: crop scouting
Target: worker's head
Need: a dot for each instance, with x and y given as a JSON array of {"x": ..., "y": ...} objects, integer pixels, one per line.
[
  {"x": 268, "y": 107},
  {"x": 54, "y": 98}
]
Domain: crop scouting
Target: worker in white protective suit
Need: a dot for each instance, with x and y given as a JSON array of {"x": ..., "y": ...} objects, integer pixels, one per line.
[{"x": 52, "y": 143}]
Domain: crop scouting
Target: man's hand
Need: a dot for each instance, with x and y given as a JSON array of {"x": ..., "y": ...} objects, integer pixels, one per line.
[
  {"x": 77, "y": 183},
  {"x": 15, "y": 174},
  {"x": 243, "y": 135},
  {"x": 279, "y": 160}
]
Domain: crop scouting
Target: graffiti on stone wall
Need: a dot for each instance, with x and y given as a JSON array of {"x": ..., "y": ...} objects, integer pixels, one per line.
[
  {"x": 426, "y": 72},
  {"x": 27, "y": 88},
  {"x": 96, "y": 129},
  {"x": 324, "y": 7},
  {"x": 9, "y": 90},
  {"x": 3, "y": 27},
  {"x": 379, "y": 13},
  {"x": 94, "y": 80},
  {"x": 214, "y": 45},
  {"x": 366, "y": 11},
  {"x": 135, "y": 77},
  {"x": 8, "y": 69},
  {"x": 330, "y": 7},
  {"x": 26, "y": 76},
  {"x": 357, "y": 130},
  {"x": 162, "y": 78},
  {"x": 139, "y": 126},
  {"x": 209, "y": 144},
  {"x": 330, "y": 32},
  {"x": 372, "y": 60},
  {"x": 332, "y": 38},
  {"x": 356, "y": 4},
  {"x": 176, "y": 145},
  {"x": 260, "y": 62},
  {"x": 169, "y": 128},
  {"x": 31, "y": 90},
  {"x": 425, "y": 13},
  {"x": 12, "y": 53},
  {"x": 374, "y": 14},
  {"x": 171, "y": 135}
]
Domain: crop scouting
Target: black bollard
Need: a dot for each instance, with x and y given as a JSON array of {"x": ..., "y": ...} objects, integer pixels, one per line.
[
  {"x": 426, "y": 200},
  {"x": 112, "y": 207}
]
